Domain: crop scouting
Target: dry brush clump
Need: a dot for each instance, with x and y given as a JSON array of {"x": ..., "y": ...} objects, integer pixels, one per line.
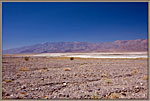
[
  {"x": 44, "y": 97},
  {"x": 72, "y": 58},
  {"x": 24, "y": 69},
  {"x": 23, "y": 93},
  {"x": 114, "y": 96},
  {"x": 134, "y": 71},
  {"x": 94, "y": 97},
  {"x": 67, "y": 69},
  {"x": 103, "y": 75},
  {"x": 108, "y": 81},
  {"x": 43, "y": 69},
  {"x": 26, "y": 58},
  {"x": 5, "y": 97},
  {"x": 145, "y": 77},
  {"x": 9, "y": 80},
  {"x": 127, "y": 79}
]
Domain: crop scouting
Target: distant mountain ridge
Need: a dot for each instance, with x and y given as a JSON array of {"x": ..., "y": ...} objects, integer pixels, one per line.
[{"x": 63, "y": 47}]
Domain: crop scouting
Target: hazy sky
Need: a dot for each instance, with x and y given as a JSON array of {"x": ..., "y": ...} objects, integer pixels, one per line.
[{"x": 32, "y": 23}]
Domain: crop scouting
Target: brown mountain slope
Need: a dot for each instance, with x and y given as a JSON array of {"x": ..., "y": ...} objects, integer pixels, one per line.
[{"x": 59, "y": 47}]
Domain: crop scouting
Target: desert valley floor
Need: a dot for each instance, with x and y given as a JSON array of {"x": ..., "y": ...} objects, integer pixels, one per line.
[{"x": 53, "y": 76}]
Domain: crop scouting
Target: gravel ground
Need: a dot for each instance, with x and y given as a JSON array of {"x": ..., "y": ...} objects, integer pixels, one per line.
[{"x": 62, "y": 78}]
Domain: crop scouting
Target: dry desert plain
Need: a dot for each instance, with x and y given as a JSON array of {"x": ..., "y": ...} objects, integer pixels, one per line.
[{"x": 85, "y": 76}]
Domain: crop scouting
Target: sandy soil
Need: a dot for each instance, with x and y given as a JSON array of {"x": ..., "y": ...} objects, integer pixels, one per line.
[{"x": 62, "y": 78}]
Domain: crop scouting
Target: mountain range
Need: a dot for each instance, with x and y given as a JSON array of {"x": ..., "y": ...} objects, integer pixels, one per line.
[{"x": 63, "y": 47}]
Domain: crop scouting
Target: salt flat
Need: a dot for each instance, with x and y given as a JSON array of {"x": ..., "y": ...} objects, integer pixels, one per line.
[{"x": 97, "y": 55}]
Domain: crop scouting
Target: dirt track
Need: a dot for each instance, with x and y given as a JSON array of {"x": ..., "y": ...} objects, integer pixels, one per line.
[{"x": 62, "y": 78}]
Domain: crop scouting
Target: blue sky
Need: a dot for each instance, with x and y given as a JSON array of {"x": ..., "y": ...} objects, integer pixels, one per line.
[{"x": 32, "y": 23}]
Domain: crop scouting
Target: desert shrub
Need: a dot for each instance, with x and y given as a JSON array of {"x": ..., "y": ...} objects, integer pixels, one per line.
[
  {"x": 23, "y": 93},
  {"x": 114, "y": 96},
  {"x": 108, "y": 81},
  {"x": 127, "y": 79},
  {"x": 45, "y": 68},
  {"x": 72, "y": 58},
  {"x": 67, "y": 69},
  {"x": 44, "y": 97},
  {"x": 145, "y": 77},
  {"x": 133, "y": 72},
  {"x": 5, "y": 97},
  {"x": 94, "y": 97},
  {"x": 9, "y": 80},
  {"x": 41, "y": 70},
  {"x": 104, "y": 78},
  {"x": 24, "y": 69},
  {"x": 103, "y": 75},
  {"x": 26, "y": 58}
]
